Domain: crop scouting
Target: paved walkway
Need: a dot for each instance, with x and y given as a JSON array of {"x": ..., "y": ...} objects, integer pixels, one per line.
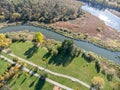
[
  {"x": 51, "y": 72},
  {"x": 37, "y": 75}
]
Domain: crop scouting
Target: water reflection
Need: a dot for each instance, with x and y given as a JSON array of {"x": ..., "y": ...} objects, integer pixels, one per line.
[{"x": 105, "y": 15}]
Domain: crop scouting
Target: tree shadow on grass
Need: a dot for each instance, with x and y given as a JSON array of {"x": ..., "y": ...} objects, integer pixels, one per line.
[
  {"x": 47, "y": 55},
  {"x": 23, "y": 81},
  {"x": 61, "y": 59},
  {"x": 32, "y": 83},
  {"x": 13, "y": 84},
  {"x": 19, "y": 75},
  {"x": 39, "y": 85},
  {"x": 30, "y": 52}
]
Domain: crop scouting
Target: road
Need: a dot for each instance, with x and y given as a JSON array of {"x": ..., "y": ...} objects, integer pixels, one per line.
[{"x": 37, "y": 75}]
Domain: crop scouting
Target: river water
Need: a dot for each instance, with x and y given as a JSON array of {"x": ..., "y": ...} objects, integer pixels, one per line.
[
  {"x": 105, "y": 15},
  {"x": 52, "y": 35}
]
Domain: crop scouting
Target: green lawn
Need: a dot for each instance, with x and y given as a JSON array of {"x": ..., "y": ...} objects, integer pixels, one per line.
[
  {"x": 64, "y": 81},
  {"x": 3, "y": 66},
  {"x": 29, "y": 83},
  {"x": 25, "y": 82},
  {"x": 79, "y": 68}
]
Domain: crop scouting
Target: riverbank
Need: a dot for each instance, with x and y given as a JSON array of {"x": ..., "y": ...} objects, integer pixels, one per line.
[
  {"x": 88, "y": 33},
  {"x": 84, "y": 28},
  {"x": 93, "y": 30},
  {"x": 115, "y": 12}
]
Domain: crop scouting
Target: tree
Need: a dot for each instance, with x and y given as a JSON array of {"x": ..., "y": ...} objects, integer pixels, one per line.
[
  {"x": 68, "y": 48},
  {"x": 98, "y": 83},
  {"x": 110, "y": 74},
  {"x": 16, "y": 16},
  {"x": 39, "y": 38},
  {"x": 4, "y": 42},
  {"x": 2, "y": 17},
  {"x": 116, "y": 86},
  {"x": 46, "y": 11},
  {"x": 97, "y": 66}
]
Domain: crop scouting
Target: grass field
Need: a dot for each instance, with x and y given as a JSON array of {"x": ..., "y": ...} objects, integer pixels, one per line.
[
  {"x": 58, "y": 79},
  {"x": 78, "y": 68},
  {"x": 25, "y": 81},
  {"x": 29, "y": 83},
  {"x": 3, "y": 66}
]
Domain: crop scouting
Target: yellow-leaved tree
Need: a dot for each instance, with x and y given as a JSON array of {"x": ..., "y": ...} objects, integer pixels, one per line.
[
  {"x": 98, "y": 83},
  {"x": 16, "y": 15},
  {"x": 39, "y": 38},
  {"x": 4, "y": 42}
]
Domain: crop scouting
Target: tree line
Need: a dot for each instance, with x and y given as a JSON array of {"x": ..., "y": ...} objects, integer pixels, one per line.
[{"x": 46, "y": 11}]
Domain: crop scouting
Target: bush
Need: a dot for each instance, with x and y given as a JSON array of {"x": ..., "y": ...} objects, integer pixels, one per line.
[
  {"x": 99, "y": 29},
  {"x": 15, "y": 59},
  {"x": 110, "y": 74},
  {"x": 104, "y": 70},
  {"x": 98, "y": 83},
  {"x": 88, "y": 56},
  {"x": 36, "y": 69}
]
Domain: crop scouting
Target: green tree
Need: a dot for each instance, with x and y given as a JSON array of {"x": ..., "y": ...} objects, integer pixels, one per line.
[
  {"x": 97, "y": 66},
  {"x": 16, "y": 16},
  {"x": 69, "y": 48}
]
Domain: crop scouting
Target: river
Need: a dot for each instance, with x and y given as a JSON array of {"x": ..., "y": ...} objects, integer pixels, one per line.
[
  {"x": 105, "y": 15},
  {"x": 52, "y": 35}
]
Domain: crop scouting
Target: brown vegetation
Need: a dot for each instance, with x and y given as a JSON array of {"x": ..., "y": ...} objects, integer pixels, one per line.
[{"x": 88, "y": 25}]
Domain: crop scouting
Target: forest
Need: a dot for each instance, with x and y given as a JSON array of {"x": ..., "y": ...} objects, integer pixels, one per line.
[{"x": 46, "y": 11}]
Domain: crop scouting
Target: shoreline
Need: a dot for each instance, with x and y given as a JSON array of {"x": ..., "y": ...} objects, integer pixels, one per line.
[
  {"x": 114, "y": 12},
  {"x": 59, "y": 31}
]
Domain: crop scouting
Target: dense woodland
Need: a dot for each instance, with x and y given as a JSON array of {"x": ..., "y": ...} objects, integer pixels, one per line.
[
  {"x": 46, "y": 11},
  {"x": 101, "y": 4}
]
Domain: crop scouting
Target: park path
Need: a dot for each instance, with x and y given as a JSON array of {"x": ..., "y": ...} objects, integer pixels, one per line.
[
  {"x": 51, "y": 72},
  {"x": 37, "y": 75}
]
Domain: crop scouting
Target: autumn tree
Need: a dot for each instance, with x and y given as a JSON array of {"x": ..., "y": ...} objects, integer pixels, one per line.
[
  {"x": 39, "y": 38},
  {"x": 46, "y": 11},
  {"x": 116, "y": 86},
  {"x": 98, "y": 83},
  {"x": 16, "y": 16},
  {"x": 4, "y": 42}
]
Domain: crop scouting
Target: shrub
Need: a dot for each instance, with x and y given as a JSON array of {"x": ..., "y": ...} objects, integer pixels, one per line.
[
  {"x": 15, "y": 59},
  {"x": 36, "y": 69},
  {"x": 104, "y": 70},
  {"x": 110, "y": 74},
  {"x": 99, "y": 29},
  {"x": 98, "y": 83}
]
